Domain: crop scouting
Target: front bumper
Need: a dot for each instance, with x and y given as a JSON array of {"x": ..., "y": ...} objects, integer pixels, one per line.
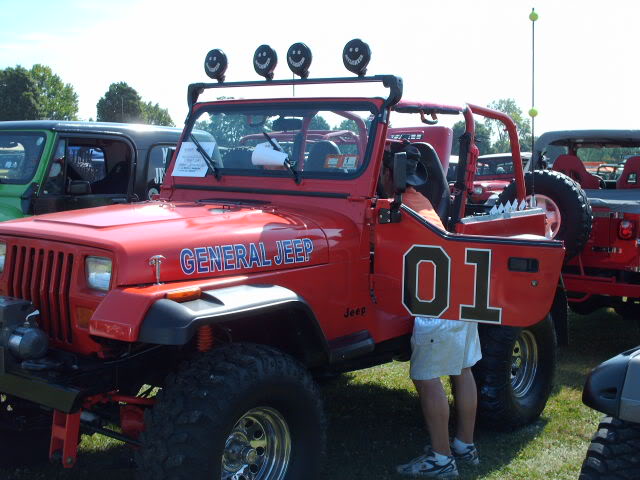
[
  {"x": 39, "y": 389},
  {"x": 62, "y": 380}
]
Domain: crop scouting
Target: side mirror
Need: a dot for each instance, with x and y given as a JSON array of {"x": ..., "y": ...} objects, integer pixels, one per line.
[
  {"x": 79, "y": 187},
  {"x": 400, "y": 172}
]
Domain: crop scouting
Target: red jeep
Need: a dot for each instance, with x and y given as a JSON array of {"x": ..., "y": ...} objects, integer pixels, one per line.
[
  {"x": 606, "y": 270},
  {"x": 270, "y": 256}
]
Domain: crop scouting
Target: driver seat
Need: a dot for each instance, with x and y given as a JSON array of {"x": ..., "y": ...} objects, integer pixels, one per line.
[
  {"x": 573, "y": 168},
  {"x": 318, "y": 155},
  {"x": 437, "y": 188}
]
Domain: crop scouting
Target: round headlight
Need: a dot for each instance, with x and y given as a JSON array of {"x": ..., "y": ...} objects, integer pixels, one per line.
[
  {"x": 215, "y": 64},
  {"x": 356, "y": 56},
  {"x": 299, "y": 59},
  {"x": 264, "y": 61}
]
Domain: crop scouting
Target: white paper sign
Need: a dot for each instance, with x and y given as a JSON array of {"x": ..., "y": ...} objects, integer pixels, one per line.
[
  {"x": 190, "y": 162},
  {"x": 264, "y": 154}
]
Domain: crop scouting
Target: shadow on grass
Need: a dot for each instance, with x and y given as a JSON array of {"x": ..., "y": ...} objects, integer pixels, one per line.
[
  {"x": 372, "y": 429},
  {"x": 108, "y": 463},
  {"x": 593, "y": 339}
]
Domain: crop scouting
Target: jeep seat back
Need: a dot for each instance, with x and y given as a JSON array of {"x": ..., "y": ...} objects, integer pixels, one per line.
[
  {"x": 630, "y": 174},
  {"x": 573, "y": 168},
  {"x": 318, "y": 155},
  {"x": 437, "y": 188}
]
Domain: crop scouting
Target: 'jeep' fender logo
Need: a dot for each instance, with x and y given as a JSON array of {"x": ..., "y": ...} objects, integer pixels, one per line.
[{"x": 240, "y": 256}]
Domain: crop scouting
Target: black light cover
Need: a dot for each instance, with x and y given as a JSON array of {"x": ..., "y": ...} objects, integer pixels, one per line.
[
  {"x": 356, "y": 56},
  {"x": 215, "y": 64},
  {"x": 264, "y": 61},
  {"x": 299, "y": 59}
]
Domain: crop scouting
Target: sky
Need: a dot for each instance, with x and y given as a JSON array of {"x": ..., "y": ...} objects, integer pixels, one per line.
[{"x": 451, "y": 52}]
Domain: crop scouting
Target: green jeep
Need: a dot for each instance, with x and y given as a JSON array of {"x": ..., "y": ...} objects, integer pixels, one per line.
[{"x": 49, "y": 166}]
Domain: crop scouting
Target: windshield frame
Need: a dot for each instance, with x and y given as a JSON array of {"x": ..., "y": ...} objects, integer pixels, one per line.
[
  {"x": 372, "y": 105},
  {"x": 45, "y": 135}
]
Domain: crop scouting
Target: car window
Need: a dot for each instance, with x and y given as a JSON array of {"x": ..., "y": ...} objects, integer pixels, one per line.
[
  {"x": 159, "y": 158},
  {"x": 314, "y": 140},
  {"x": 20, "y": 154},
  {"x": 105, "y": 164}
]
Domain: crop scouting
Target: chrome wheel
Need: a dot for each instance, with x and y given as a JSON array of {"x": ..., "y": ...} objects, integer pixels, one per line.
[
  {"x": 258, "y": 447},
  {"x": 552, "y": 211},
  {"x": 524, "y": 363}
]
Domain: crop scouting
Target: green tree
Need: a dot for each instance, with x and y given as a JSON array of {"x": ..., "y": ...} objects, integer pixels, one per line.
[
  {"x": 18, "y": 95},
  {"x": 155, "y": 115},
  {"x": 348, "y": 124},
  {"x": 56, "y": 100},
  {"x": 483, "y": 138},
  {"x": 319, "y": 123},
  {"x": 498, "y": 132},
  {"x": 121, "y": 103}
]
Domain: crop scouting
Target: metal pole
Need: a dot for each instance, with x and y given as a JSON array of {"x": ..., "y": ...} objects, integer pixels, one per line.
[{"x": 533, "y": 16}]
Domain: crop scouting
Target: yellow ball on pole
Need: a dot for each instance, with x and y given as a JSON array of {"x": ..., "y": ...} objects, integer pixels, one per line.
[
  {"x": 533, "y": 16},
  {"x": 533, "y": 112}
]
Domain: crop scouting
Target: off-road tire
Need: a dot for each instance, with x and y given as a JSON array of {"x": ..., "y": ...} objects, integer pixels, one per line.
[
  {"x": 188, "y": 430},
  {"x": 614, "y": 453},
  {"x": 572, "y": 201},
  {"x": 513, "y": 393},
  {"x": 590, "y": 305},
  {"x": 25, "y": 433}
]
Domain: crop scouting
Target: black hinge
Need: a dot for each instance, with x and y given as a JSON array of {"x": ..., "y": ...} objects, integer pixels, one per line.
[{"x": 389, "y": 215}]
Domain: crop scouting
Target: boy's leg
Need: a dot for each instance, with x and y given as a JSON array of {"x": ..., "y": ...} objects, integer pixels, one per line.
[
  {"x": 435, "y": 408},
  {"x": 465, "y": 395}
]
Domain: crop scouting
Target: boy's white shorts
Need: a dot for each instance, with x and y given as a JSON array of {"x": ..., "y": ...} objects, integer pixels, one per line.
[{"x": 443, "y": 347}]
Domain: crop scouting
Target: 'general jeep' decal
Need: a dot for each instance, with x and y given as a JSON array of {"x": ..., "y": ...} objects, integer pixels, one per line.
[{"x": 239, "y": 256}]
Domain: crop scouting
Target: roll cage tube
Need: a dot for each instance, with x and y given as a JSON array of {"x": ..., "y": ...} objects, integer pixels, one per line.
[
  {"x": 392, "y": 82},
  {"x": 513, "y": 141},
  {"x": 466, "y": 169}
]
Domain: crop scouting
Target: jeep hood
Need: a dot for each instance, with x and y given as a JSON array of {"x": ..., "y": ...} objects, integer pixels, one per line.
[{"x": 196, "y": 240}]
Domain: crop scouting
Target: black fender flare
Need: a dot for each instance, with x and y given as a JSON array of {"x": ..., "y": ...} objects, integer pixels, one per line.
[
  {"x": 168, "y": 322},
  {"x": 612, "y": 387}
]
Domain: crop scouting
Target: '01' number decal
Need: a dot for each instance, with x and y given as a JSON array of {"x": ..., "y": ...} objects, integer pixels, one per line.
[{"x": 480, "y": 311}]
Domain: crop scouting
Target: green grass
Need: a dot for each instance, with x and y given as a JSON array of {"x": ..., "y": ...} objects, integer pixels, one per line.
[{"x": 375, "y": 422}]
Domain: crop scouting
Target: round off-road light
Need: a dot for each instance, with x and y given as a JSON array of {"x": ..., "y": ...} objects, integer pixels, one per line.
[
  {"x": 299, "y": 59},
  {"x": 264, "y": 61},
  {"x": 215, "y": 64},
  {"x": 356, "y": 56}
]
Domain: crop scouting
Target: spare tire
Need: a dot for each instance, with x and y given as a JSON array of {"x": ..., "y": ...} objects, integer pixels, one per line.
[{"x": 568, "y": 210}]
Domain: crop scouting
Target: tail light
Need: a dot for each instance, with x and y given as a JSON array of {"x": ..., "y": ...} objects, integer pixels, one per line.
[{"x": 625, "y": 229}]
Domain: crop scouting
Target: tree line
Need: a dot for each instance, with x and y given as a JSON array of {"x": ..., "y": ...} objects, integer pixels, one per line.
[{"x": 40, "y": 94}]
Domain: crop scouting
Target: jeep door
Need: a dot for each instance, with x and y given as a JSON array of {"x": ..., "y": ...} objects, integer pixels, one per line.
[
  {"x": 421, "y": 270},
  {"x": 87, "y": 171}
]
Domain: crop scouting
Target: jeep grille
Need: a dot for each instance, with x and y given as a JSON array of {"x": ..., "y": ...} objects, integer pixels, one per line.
[{"x": 43, "y": 277}]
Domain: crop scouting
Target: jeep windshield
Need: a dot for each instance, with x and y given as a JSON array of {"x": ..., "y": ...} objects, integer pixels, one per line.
[
  {"x": 301, "y": 140},
  {"x": 20, "y": 154}
]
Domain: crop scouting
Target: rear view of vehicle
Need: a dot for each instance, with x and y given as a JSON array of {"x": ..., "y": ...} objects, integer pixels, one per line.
[{"x": 606, "y": 163}]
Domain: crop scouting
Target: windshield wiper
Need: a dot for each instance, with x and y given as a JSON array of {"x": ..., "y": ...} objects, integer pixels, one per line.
[
  {"x": 207, "y": 159},
  {"x": 287, "y": 163}
]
